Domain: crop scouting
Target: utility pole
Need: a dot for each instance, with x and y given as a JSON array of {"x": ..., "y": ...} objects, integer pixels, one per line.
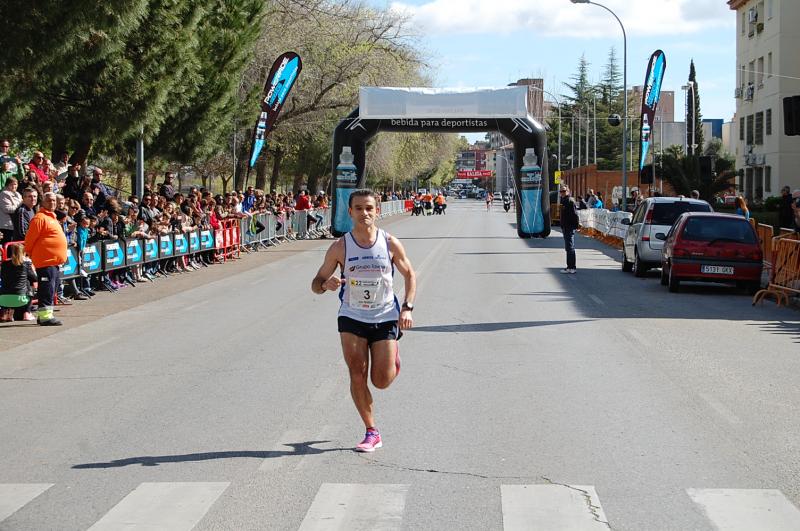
[{"x": 595, "y": 128}]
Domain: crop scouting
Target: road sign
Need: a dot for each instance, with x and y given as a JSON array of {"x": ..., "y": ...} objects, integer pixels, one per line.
[{"x": 558, "y": 177}]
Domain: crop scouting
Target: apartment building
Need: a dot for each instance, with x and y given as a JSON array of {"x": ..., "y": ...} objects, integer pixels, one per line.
[{"x": 767, "y": 71}]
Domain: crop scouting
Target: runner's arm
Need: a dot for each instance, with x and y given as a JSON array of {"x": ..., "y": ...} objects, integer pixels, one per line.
[
  {"x": 403, "y": 265},
  {"x": 325, "y": 279}
]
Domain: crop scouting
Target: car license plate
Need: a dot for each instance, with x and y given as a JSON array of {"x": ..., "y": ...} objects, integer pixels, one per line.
[{"x": 716, "y": 270}]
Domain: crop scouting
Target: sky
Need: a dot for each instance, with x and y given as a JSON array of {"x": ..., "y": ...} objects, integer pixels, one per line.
[{"x": 490, "y": 43}]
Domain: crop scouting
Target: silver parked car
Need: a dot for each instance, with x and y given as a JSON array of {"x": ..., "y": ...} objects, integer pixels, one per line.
[{"x": 641, "y": 250}]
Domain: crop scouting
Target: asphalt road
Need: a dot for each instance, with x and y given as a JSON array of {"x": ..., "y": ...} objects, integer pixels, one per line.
[{"x": 528, "y": 399}]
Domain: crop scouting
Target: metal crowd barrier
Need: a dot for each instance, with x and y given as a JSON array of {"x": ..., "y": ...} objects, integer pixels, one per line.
[
  {"x": 110, "y": 255},
  {"x": 785, "y": 275},
  {"x": 604, "y": 225}
]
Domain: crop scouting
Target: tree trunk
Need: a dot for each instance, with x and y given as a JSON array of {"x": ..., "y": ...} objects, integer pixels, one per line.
[
  {"x": 81, "y": 153},
  {"x": 313, "y": 184},
  {"x": 243, "y": 160},
  {"x": 297, "y": 183},
  {"x": 59, "y": 146},
  {"x": 261, "y": 172},
  {"x": 225, "y": 182},
  {"x": 276, "y": 168}
]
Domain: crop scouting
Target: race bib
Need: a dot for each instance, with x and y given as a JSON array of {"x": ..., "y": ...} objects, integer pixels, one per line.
[{"x": 366, "y": 293}]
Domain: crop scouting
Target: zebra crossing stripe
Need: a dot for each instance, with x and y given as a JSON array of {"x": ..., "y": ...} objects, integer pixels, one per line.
[
  {"x": 562, "y": 507},
  {"x": 14, "y": 496},
  {"x": 747, "y": 509},
  {"x": 173, "y": 506},
  {"x": 354, "y": 507}
]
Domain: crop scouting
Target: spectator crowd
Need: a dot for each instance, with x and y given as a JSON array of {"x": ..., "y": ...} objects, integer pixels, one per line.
[{"x": 38, "y": 197}]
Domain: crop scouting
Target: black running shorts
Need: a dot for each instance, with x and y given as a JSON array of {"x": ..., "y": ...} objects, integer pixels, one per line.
[{"x": 372, "y": 332}]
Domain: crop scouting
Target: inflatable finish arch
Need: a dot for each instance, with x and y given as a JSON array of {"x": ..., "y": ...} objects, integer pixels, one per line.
[{"x": 445, "y": 113}]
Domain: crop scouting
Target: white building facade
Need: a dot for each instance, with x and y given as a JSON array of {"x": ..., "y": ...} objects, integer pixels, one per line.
[{"x": 768, "y": 65}]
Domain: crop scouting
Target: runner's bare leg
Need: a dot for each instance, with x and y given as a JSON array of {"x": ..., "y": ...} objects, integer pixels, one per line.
[
  {"x": 383, "y": 370},
  {"x": 356, "y": 355}
]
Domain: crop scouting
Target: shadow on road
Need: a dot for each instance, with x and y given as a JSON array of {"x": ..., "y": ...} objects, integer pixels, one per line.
[
  {"x": 781, "y": 327},
  {"x": 299, "y": 449},
  {"x": 492, "y": 327}
]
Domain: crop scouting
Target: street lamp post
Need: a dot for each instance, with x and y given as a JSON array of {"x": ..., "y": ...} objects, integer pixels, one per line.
[{"x": 625, "y": 93}]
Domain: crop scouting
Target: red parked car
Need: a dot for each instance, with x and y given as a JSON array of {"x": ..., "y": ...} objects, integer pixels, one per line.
[{"x": 711, "y": 247}]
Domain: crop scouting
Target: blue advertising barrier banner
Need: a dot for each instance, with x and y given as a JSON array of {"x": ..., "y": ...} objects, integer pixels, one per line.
[
  {"x": 166, "y": 248},
  {"x": 181, "y": 242},
  {"x": 71, "y": 268},
  {"x": 113, "y": 255},
  {"x": 206, "y": 240},
  {"x": 91, "y": 259},
  {"x": 134, "y": 250},
  {"x": 194, "y": 241},
  {"x": 150, "y": 249}
]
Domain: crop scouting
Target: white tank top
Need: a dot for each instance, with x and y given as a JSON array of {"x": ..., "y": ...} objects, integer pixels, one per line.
[{"x": 367, "y": 294}]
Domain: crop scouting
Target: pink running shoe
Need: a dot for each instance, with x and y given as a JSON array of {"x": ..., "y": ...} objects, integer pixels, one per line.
[{"x": 371, "y": 441}]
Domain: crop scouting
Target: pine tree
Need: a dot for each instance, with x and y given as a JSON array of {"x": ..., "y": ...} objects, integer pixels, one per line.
[
  {"x": 210, "y": 105},
  {"x": 694, "y": 115}
]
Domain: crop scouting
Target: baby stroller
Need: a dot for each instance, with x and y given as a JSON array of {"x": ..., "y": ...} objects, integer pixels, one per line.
[
  {"x": 417, "y": 210},
  {"x": 439, "y": 208},
  {"x": 428, "y": 208}
]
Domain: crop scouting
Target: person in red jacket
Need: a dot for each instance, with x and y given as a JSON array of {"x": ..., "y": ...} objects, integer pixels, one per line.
[{"x": 46, "y": 244}]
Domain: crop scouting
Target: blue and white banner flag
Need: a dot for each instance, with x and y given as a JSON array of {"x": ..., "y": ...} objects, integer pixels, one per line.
[
  {"x": 280, "y": 80},
  {"x": 650, "y": 97}
]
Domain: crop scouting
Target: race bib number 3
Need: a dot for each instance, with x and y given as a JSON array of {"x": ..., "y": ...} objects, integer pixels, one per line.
[{"x": 365, "y": 294}]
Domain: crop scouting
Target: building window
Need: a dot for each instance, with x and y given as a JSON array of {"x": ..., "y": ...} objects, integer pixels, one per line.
[
  {"x": 744, "y": 21},
  {"x": 748, "y": 183},
  {"x": 768, "y": 179},
  {"x": 751, "y": 75},
  {"x": 759, "y": 129},
  {"x": 741, "y": 128},
  {"x": 749, "y": 132},
  {"x": 760, "y": 72},
  {"x": 759, "y": 183},
  {"x": 769, "y": 121},
  {"x": 769, "y": 64},
  {"x": 769, "y": 8}
]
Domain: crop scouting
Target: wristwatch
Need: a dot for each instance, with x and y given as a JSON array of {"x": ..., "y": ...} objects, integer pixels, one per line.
[{"x": 408, "y": 306}]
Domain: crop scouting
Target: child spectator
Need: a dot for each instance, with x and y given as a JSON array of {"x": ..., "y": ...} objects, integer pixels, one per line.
[{"x": 17, "y": 276}]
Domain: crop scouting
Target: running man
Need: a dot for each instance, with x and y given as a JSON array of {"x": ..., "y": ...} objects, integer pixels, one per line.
[
  {"x": 489, "y": 199},
  {"x": 370, "y": 317}
]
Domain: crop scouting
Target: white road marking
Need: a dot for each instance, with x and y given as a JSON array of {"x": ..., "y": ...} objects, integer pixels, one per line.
[
  {"x": 720, "y": 408},
  {"x": 195, "y": 305},
  {"x": 280, "y": 446},
  {"x": 354, "y": 507},
  {"x": 562, "y": 507},
  {"x": 638, "y": 337},
  {"x": 14, "y": 496},
  {"x": 597, "y": 299},
  {"x": 747, "y": 509},
  {"x": 90, "y": 348},
  {"x": 173, "y": 506}
]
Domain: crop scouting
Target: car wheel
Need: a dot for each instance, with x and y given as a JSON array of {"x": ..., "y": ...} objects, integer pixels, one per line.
[
  {"x": 664, "y": 277},
  {"x": 626, "y": 266},
  {"x": 639, "y": 269},
  {"x": 673, "y": 282}
]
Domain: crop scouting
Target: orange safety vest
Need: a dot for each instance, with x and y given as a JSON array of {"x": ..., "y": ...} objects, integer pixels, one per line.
[{"x": 45, "y": 241}]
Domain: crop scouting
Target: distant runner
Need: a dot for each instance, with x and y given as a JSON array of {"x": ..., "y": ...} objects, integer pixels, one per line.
[
  {"x": 370, "y": 317},
  {"x": 489, "y": 199}
]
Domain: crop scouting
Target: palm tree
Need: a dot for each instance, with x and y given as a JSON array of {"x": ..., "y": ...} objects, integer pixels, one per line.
[{"x": 682, "y": 172}]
